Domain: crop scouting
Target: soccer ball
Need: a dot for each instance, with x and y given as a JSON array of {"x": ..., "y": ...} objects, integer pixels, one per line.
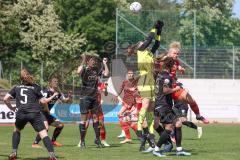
[{"x": 135, "y": 7}]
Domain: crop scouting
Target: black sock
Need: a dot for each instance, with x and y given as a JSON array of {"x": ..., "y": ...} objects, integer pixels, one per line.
[
  {"x": 159, "y": 130},
  {"x": 178, "y": 133},
  {"x": 163, "y": 138},
  {"x": 96, "y": 129},
  {"x": 82, "y": 129},
  {"x": 151, "y": 140},
  {"x": 56, "y": 133},
  {"x": 15, "y": 140},
  {"x": 48, "y": 144},
  {"x": 190, "y": 124},
  {"x": 145, "y": 131},
  {"x": 37, "y": 139}
]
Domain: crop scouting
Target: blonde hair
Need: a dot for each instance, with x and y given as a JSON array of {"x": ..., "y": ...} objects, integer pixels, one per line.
[
  {"x": 26, "y": 77},
  {"x": 175, "y": 45}
]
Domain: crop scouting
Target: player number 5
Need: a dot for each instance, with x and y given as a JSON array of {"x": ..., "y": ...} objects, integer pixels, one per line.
[{"x": 23, "y": 95}]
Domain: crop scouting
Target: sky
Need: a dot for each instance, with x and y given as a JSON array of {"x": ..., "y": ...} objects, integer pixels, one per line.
[{"x": 236, "y": 8}]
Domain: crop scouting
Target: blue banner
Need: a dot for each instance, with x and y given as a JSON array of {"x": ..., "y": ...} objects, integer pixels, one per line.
[{"x": 71, "y": 112}]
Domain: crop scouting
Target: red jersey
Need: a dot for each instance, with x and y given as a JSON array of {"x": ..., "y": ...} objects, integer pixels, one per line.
[
  {"x": 101, "y": 88},
  {"x": 130, "y": 92},
  {"x": 174, "y": 69}
]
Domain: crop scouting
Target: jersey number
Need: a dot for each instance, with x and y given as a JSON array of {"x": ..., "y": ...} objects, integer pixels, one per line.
[{"x": 24, "y": 96}]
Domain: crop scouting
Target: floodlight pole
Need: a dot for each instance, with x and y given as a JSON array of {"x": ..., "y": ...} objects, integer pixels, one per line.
[
  {"x": 194, "y": 45},
  {"x": 233, "y": 63},
  {"x": 116, "y": 41}
]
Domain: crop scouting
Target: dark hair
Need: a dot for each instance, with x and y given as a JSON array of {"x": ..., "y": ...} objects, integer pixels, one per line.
[
  {"x": 26, "y": 77},
  {"x": 168, "y": 63}
]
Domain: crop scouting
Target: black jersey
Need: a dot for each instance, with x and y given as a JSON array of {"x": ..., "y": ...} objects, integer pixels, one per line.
[
  {"x": 48, "y": 93},
  {"x": 163, "y": 79},
  {"x": 90, "y": 79},
  {"x": 27, "y": 97}
]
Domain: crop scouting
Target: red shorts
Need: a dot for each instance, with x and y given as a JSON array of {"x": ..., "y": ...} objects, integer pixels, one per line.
[{"x": 176, "y": 95}]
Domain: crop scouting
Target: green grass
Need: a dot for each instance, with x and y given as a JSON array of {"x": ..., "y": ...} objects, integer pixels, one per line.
[{"x": 219, "y": 142}]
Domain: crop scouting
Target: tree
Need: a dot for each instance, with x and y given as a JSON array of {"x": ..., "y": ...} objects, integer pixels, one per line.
[
  {"x": 96, "y": 19},
  {"x": 214, "y": 23},
  {"x": 39, "y": 38}
]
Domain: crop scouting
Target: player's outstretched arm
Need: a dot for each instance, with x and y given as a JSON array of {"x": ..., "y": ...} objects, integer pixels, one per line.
[
  {"x": 157, "y": 29},
  {"x": 47, "y": 100},
  {"x": 158, "y": 26},
  {"x": 106, "y": 70},
  {"x": 81, "y": 67}
]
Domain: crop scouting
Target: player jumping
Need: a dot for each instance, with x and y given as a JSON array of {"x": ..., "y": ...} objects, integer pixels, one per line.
[{"x": 89, "y": 95}]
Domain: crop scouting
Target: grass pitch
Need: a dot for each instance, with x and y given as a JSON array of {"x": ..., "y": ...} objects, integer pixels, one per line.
[{"x": 219, "y": 142}]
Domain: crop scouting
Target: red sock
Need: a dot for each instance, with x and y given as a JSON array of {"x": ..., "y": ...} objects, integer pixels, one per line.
[
  {"x": 195, "y": 108},
  {"x": 125, "y": 127},
  {"x": 103, "y": 133}
]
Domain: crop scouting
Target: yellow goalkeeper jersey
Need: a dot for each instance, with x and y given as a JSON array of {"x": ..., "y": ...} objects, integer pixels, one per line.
[{"x": 145, "y": 67}]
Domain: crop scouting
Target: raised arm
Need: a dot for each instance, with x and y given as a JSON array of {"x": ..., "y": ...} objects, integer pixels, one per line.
[
  {"x": 156, "y": 30},
  {"x": 81, "y": 67},
  {"x": 106, "y": 70},
  {"x": 158, "y": 25}
]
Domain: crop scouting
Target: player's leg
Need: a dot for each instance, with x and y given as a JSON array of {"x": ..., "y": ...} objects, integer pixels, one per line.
[
  {"x": 150, "y": 136},
  {"x": 38, "y": 125},
  {"x": 84, "y": 109},
  {"x": 96, "y": 125},
  {"x": 57, "y": 131},
  {"x": 178, "y": 134},
  {"x": 88, "y": 117},
  {"x": 125, "y": 126},
  {"x": 20, "y": 123},
  {"x": 38, "y": 138},
  {"x": 142, "y": 113},
  {"x": 120, "y": 117},
  {"x": 186, "y": 97},
  {"x": 163, "y": 138},
  {"x": 102, "y": 128},
  {"x": 96, "y": 128}
]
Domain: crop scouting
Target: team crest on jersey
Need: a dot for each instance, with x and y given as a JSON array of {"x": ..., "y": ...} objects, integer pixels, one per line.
[{"x": 166, "y": 81}]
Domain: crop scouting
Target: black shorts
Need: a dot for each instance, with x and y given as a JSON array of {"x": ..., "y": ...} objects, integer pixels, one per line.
[
  {"x": 35, "y": 119},
  {"x": 165, "y": 114},
  {"x": 88, "y": 104},
  {"x": 180, "y": 109},
  {"x": 48, "y": 117}
]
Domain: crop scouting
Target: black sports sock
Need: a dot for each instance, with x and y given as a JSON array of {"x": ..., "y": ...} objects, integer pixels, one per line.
[
  {"x": 15, "y": 140},
  {"x": 48, "y": 144},
  {"x": 37, "y": 139},
  {"x": 56, "y": 133},
  {"x": 178, "y": 133},
  {"x": 163, "y": 138},
  {"x": 96, "y": 129},
  {"x": 159, "y": 130},
  {"x": 190, "y": 124},
  {"x": 145, "y": 131},
  {"x": 82, "y": 130},
  {"x": 151, "y": 140}
]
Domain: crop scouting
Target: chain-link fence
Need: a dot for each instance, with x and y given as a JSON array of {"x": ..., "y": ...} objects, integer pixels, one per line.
[{"x": 201, "y": 62}]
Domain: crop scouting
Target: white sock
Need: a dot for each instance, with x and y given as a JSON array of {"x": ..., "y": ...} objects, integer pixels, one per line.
[
  {"x": 179, "y": 148},
  {"x": 157, "y": 149}
]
